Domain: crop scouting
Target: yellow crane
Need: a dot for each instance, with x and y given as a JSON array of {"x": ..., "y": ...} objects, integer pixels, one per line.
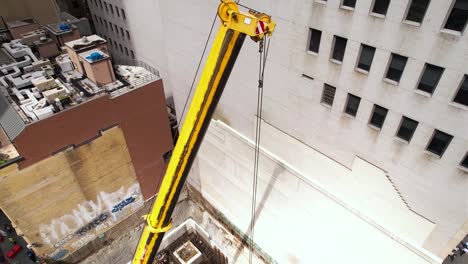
[{"x": 235, "y": 26}]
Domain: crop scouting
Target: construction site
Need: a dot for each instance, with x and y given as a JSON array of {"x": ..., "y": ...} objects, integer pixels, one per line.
[{"x": 188, "y": 132}]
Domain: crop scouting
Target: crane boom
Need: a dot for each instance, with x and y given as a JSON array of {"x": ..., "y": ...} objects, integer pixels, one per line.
[{"x": 235, "y": 26}]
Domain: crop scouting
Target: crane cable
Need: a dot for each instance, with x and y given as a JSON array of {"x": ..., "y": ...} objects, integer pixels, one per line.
[
  {"x": 198, "y": 68},
  {"x": 263, "y": 54}
]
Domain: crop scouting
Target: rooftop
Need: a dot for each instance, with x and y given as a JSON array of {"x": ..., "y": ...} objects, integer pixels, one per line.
[
  {"x": 61, "y": 28},
  {"x": 36, "y": 89},
  {"x": 20, "y": 23},
  {"x": 85, "y": 42}
]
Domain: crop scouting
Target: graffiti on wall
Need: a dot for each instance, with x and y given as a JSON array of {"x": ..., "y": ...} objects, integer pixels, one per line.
[
  {"x": 122, "y": 204},
  {"x": 87, "y": 219},
  {"x": 101, "y": 218},
  {"x": 59, "y": 254}
]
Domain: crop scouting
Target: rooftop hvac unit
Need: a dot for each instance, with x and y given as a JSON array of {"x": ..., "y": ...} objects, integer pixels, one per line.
[
  {"x": 43, "y": 83},
  {"x": 64, "y": 63},
  {"x": 49, "y": 71}
]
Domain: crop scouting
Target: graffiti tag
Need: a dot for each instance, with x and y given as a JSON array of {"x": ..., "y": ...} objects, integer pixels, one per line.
[
  {"x": 63, "y": 241},
  {"x": 97, "y": 221},
  {"x": 60, "y": 254},
  {"x": 122, "y": 204}
]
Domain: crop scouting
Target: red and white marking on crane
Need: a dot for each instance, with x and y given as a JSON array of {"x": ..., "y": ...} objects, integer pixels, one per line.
[{"x": 261, "y": 27}]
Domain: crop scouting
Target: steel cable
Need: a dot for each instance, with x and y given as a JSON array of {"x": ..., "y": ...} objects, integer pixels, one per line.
[
  {"x": 198, "y": 68},
  {"x": 261, "y": 73}
]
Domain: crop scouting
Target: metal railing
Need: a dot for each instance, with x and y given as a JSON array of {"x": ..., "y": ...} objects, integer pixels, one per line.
[{"x": 137, "y": 83}]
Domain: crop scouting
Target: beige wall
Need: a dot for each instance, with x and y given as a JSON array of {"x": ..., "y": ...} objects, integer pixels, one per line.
[
  {"x": 99, "y": 72},
  {"x": 43, "y": 11},
  {"x": 74, "y": 59},
  {"x": 66, "y": 200}
]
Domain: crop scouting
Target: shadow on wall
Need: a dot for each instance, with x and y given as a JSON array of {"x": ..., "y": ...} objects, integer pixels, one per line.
[{"x": 274, "y": 177}]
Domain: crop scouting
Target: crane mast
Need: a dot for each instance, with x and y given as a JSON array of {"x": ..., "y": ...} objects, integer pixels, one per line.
[{"x": 235, "y": 26}]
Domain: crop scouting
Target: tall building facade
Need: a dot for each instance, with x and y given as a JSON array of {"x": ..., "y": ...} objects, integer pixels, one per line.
[
  {"x": 365, "y": 108},
  {"x": 110, "y": 21}
]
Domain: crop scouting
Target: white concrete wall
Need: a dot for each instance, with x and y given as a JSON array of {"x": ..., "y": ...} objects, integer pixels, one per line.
[
  {"x": 308, "y": 213},
  {"x": 434, "y": 188}
]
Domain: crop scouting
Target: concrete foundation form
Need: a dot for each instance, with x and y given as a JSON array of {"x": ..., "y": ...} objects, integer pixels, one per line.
[{"x": 193, "y": 214}]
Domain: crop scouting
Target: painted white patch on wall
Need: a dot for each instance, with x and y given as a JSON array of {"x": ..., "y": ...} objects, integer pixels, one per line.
[{"x": 108, "y": 207}]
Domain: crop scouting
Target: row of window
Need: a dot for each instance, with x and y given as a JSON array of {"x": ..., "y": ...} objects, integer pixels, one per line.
[
  {"x": 416, "y": 11},
  {"x": 437, "y": 145},
  {"x": 112, "y": 27},
  {"x": 114, "y": 10},
  {"x": 119, "y": 47},
  {"x": 428, "y": 80}
]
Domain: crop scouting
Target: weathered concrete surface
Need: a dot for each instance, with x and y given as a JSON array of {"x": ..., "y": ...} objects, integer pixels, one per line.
[{"x": 191, "y": 205}]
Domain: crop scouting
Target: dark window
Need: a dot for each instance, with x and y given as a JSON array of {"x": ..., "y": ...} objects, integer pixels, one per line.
[
  {"x": 105, "y": 5},
  {"x": 464, "y": 161},
  {"x": 366, "y": 57},
  {"x": 111, "y": 27},
  {"x": 126, "y": 51},
  {"x": 110, "y": 42},
  {"x": 349, "y": 3},
  {"x": 407, "y": 128},
  {"x": 133, "y": 54},
  {"x": 352, "y": 104},
  {"x": 462, "y": 94},
  {"x": 100, "y": 4},
  {"x": 439, "y": 142},
  {"x": 339, "y": 48},
  {"x": 117, "y": 11},
  {"x": 75, "y": 4},
  {"x": 328, "y": 94},
  {"x": 123, "y": 14},
  {"x": 111, "y": 8},
  {"x": 458, "y": 16},
  {"x": 314, "y": 42},
  {"x": 378, "y": 116},
  {"x": 128, "y": 35},
  {"x": 116, "y": 29},
  {"x": 100, "y": 20},
  {"x": 380, "y": 6},
  {"x": 396, "y": 67},
  {"x": 417, "y": 10},
  {"x": 107, "y": 25},
  {"x": 430, "y": 78},
  {"x": 121, "y": 48},
  {"x": 122, "y": 32}
]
